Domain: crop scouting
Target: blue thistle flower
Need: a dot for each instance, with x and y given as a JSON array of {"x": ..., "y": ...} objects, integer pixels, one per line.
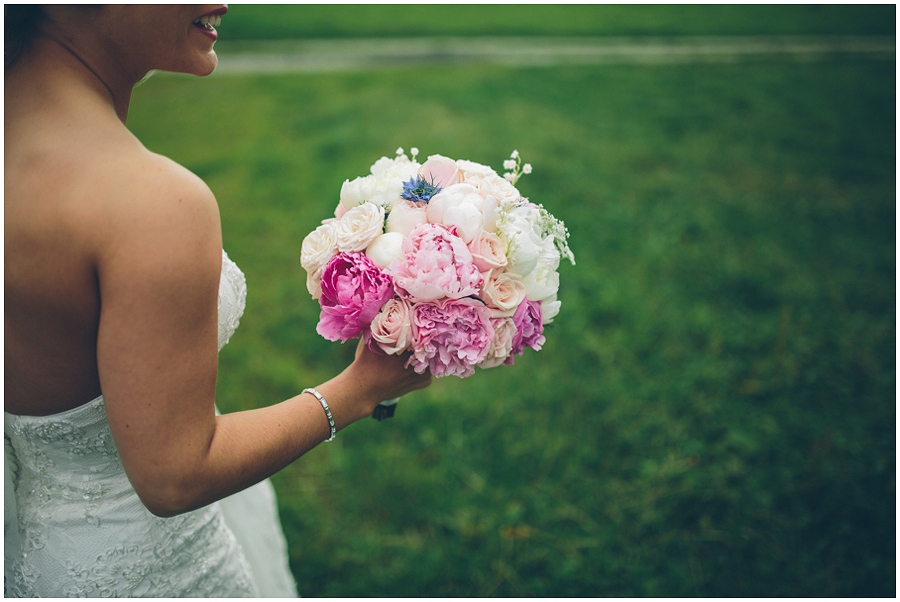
[{"x": 419, "y": 189}]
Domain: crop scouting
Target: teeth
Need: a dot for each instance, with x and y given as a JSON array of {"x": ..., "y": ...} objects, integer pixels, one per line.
[{"x": 209, "y": 22}]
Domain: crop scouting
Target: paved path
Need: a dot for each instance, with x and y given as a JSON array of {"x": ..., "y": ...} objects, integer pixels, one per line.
[{"x": 350, "y": 54}]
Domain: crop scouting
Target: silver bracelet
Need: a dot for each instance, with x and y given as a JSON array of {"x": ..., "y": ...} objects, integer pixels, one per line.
[{"x": 324, "y": 403}]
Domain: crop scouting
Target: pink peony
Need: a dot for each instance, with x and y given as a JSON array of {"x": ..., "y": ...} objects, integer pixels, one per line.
[
  {"x": 529, "y": 329},
  {"x": 435, "y": 264},
  {"x": 450, "y": 336},
  {"x": 353, "y": 291}
]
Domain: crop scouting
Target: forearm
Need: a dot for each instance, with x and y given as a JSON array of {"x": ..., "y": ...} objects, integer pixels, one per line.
[{"x": 246, "y": 447}]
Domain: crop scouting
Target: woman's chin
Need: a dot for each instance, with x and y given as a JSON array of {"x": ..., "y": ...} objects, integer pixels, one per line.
[
  {"x": 210, "y": 64},
  {"x": 202, "y": 65}
]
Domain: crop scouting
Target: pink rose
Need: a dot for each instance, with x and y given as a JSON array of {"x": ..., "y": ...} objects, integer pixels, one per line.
[
  {"x": 504, "y": 293},
  {"x": 391, "y": 330},
  {"x": 353, "y": 291},
  {"x": 488, "y": 252},
  {"x": 450, "y": 336},
  {"x": 501, "y": 346},
  {"x": 529, "y": 329},
  {"x": 440, "y": 170},
  {"x": 435, "y": 264}
]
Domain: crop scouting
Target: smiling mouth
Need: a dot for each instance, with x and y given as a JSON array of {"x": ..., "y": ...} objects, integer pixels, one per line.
[{"x": 209, "y": 22}]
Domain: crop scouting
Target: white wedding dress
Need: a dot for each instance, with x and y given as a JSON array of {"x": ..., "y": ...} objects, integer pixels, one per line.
[{"x": 73, "y": 525}]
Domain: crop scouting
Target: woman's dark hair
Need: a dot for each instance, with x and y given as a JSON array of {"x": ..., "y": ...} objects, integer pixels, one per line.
[{"x": 20, "y": 23}]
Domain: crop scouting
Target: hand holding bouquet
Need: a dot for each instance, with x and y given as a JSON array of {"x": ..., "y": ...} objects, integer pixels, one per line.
[{"x": 443, "y": 260}]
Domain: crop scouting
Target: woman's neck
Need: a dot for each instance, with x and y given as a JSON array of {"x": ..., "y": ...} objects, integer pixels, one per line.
[{"x": 57, "y": 62}]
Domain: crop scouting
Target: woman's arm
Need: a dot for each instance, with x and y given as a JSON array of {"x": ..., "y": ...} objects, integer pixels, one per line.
[{"x": 158, "y": 268}]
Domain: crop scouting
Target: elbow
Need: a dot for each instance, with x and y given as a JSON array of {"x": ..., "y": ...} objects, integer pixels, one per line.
[
  {"x": 166, "y": 500},
  {"x": 166, "y": 507}
]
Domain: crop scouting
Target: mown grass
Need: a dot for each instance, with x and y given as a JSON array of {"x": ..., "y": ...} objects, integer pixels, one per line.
[
  {"x": 266, "y": 22},
  {"x": 714, "y": 411}
]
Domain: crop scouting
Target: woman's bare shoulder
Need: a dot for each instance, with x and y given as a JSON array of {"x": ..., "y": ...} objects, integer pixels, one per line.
[{"x": 149, "y": 202}]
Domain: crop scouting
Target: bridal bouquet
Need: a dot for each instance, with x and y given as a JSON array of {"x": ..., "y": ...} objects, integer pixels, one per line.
[{"x": 444, "y": 260}]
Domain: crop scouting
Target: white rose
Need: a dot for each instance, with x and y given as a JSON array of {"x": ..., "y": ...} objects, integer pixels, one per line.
[
  {"x": 473, "y": 173},
  {"x": 359, "y": 227},
  {"x": 385, "y": 249},
  {"x": 357, "y": 192},
  {"x": 405, "y": 216},
  {"x": 317, "y": 248},
  {"x": 503, "y": 293},
  {"x": 499, "y": 188},
  {"x": 501, "y": 347},
  {"x": 543, "y": 281},
  {"x": 549, "y": 309},
  {"x": 460, "y": 205},
  {"x": 314, "y": 284}
]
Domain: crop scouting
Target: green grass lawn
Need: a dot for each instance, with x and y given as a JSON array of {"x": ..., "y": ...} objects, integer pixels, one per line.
[
  {"x": 714, "y": 411},
  {"x": 255, "y": 22}
]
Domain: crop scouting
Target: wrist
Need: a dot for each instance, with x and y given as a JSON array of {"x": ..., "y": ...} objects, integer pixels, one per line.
[{"x": 348, "y": 399}]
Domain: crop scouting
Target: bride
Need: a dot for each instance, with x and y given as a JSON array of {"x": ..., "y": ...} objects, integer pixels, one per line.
[{"x": 120, "y": 476}]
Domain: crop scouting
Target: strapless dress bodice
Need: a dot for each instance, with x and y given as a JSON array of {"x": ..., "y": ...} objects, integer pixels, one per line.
[{"x": 79, "y": 529}]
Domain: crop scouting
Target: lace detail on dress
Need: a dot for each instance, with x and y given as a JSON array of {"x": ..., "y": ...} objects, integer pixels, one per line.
[
  {"x": 232, "y": 299},
  {"x": 82, "y": 530}
]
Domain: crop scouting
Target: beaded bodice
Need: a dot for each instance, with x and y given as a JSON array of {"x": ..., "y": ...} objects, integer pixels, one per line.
[{"x": 82, "y": 530}]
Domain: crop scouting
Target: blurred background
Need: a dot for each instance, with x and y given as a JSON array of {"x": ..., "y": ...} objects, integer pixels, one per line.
[{"x": 713, "y": 413}]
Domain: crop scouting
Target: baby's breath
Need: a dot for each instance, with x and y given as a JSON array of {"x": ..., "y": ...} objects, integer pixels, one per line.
[{"x": 555, "y": 227}]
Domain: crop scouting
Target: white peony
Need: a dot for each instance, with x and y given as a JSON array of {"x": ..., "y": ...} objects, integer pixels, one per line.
[
  {"x": 358, "y": 191},
  {"x": 385, "y": 249},
  {"x": 549, "y": 309},
  {"x": 399, "y": 168},
  {"x": 519, "y": 227},
  {"x": 460, "y": 205},
  {"x": 405, "y": 216},
  {"x": 543, "y": 281},
  {"x": 387, "y": 192},
  {"x": 359, "y": 226}
]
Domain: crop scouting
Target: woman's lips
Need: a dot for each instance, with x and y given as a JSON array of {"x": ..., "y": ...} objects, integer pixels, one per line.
[{"x": 207, "y": 23}]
